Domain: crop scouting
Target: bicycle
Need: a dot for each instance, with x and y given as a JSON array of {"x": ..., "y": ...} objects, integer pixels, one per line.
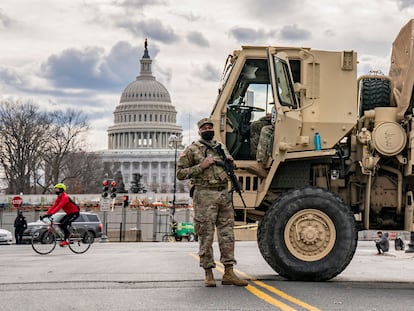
[{"x": 44, "y": 241}]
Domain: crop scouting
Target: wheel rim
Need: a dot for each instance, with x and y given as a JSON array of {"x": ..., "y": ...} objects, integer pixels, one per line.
[{"x": 310, "y": 235}]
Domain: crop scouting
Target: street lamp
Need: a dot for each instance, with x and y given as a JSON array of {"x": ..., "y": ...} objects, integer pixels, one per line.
[{"x": 173, "y": 141}]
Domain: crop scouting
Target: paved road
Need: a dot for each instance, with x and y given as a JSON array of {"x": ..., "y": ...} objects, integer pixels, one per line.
[{"x": 166, "y": 276}]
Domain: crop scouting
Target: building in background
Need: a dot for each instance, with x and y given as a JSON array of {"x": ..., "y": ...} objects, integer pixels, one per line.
[{"x": 145, "y": 137}]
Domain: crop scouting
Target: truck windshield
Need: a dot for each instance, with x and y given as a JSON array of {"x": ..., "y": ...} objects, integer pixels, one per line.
[
  {"x": 285, "y": 91},
  {"x": 226, "y": 73}
]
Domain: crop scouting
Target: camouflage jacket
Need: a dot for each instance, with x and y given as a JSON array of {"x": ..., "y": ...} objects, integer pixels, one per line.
[{"x": 188, "y": 166}]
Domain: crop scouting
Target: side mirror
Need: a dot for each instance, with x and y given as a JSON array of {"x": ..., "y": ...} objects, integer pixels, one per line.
[{"x": 298, "y": 87}]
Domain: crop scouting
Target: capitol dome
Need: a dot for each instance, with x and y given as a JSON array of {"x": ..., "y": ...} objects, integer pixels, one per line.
[
  {"x": 145, "y": 117},
  {"x": 145, "y": 89}
]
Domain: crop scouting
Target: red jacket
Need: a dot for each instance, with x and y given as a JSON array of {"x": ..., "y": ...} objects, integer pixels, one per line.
[{"x": 63, "y": 202}]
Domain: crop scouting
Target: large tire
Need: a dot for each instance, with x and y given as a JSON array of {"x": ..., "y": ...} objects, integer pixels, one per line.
[
  {"x": 375, "y": 92},
  {"x": 308, "y": 234}
]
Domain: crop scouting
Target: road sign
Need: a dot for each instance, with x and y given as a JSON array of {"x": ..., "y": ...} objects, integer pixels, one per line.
[
  {"x": 17, "y": 201},
  {"x": 105, "y": 204}
]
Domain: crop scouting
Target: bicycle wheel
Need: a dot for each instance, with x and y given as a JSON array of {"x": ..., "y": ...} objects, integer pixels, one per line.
[
  {"x": 44, "y": 242},
  {"x": 79, "y": 244}
]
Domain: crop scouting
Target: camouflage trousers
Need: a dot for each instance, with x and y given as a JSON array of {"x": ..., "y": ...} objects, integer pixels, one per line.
[
  {"x": 264, "y": 144},
  {"x": 213, "y": 209}
]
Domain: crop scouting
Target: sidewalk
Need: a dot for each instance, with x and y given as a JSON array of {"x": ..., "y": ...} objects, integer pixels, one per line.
[
  {"x": 369, "y": 247},
  {"x": 392, "y": 267}
]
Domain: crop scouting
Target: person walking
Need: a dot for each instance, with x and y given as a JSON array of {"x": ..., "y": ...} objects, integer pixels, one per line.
[
  {"x": 20, "y": 224},
  {"x": 212, "y": 202}
]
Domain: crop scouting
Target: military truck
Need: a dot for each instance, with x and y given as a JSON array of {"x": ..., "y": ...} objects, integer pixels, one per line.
[{"x": 341, "y": 153}]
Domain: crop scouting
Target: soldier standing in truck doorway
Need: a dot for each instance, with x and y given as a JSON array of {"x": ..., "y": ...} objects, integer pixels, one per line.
[{"x": 212, "y": 203}]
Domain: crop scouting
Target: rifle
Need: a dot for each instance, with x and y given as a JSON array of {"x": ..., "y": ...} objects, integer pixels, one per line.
[{"x": 228, "y": 167}]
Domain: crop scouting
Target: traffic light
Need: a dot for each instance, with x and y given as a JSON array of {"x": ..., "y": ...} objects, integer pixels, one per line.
[
  {"x": 105, "y": 188},
  {"x": 125, "y": 200},
  {"x": 113, "y": 189}
]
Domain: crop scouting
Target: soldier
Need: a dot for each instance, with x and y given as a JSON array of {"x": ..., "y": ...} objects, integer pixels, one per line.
[
  {"x": 255, "y": 130},
  {"x": 212, "y": 203}
]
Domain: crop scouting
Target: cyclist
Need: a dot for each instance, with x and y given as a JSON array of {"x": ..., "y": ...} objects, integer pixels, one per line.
[{"x": 64, "y": 202}]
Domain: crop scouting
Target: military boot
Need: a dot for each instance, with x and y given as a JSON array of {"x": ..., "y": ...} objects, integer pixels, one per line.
[
  {"x": 209, "y": 281},
  {"x": 229, "y": 278}
]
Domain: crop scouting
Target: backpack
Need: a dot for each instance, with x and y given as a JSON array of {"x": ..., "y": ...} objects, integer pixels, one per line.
[{"x": 74, "y": 203}]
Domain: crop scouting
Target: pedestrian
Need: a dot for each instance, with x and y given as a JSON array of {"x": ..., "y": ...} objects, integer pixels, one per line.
[
  {"x": 212, "y": 202},
  {"x": 20, "y": 224},
  {"x": 399, "y": 244},
  {"x": 64, "y": 202},
  {"x": 382, "y": 243}
]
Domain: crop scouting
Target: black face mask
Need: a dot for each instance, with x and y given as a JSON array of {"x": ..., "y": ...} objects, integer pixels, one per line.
[{"x": 207, "y": 135}]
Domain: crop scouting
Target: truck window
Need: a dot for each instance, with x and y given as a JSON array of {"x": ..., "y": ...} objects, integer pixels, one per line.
[
  {"x": 284, "y": 83},
  {"x": 249, "y": 102}
]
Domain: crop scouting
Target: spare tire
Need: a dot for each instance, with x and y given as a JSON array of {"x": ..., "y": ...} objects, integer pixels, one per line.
[{"x": 374, "y": 92}]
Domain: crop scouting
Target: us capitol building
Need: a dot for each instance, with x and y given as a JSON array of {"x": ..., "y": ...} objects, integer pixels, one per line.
[{"x": 145, "y": 136}]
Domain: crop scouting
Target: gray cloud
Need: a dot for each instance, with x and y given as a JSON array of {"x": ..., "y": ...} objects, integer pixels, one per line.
[
  {"x": 151, "y": 28},
  {"x": 74, "y": 68},
  {"x": 330, "y": 33},
  {"x": 191, "y": 17},
  {"x": 207, "y": 72},
  {"x": 292, "y": 32},
  {"x": 271, "y": 10},
  {"x": 249, "y": 35},
  {"x": 10, "y": 76},
  {"x": 403, "y": 4},
  {"x": 197, "y": 38},
  {"x": 91, "y": 68},
  {"x": 5, "y": 20},
  {"x": 139, "y": 3}
]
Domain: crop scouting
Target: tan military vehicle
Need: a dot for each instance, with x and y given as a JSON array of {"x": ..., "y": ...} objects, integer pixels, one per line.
[{"x": 340, "y": 157}]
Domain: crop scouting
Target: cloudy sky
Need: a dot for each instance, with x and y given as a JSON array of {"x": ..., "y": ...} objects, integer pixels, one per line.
[{"x": 82, "y": 54}]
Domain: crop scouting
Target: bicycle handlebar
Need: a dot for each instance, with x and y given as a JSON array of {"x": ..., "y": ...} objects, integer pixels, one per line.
[{"x": 50, "y": 217}]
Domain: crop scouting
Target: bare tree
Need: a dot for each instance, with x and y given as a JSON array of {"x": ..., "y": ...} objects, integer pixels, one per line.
[
  {"x": 66, "y": 140},
  {"x": 86, "y": 175},
  {"x": 22, "y": 138},
  {"x": 39, "y": 149}
]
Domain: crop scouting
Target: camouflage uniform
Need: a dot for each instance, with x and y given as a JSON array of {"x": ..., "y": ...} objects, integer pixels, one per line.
[
  {"x": 212, "y": 202},
  {"x": 255, "y": 129},
  {"x": 263, "y": 146}
]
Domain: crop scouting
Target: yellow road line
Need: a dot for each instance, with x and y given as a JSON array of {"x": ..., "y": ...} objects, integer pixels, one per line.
[
  {"x": 269, "y": 299},
  {"x": 279, "y": 292},
  {"x": 287, "y": 297},
  {"x": 265, "y": 297}
]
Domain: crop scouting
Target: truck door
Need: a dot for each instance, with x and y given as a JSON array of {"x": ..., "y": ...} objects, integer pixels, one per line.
[{"x": 288, "y": 121}]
